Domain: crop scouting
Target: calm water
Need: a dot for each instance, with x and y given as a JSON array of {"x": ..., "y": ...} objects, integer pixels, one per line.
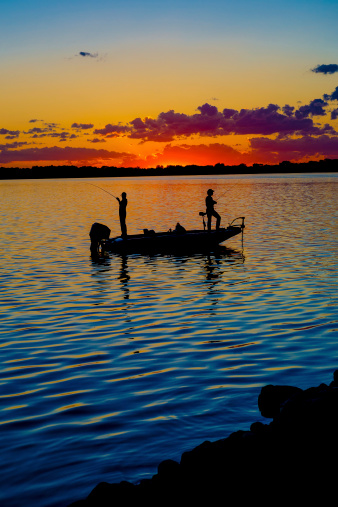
[{"x": 111, "y": 366}]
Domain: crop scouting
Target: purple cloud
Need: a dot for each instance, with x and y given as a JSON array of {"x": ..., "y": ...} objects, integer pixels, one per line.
[
  {"x": 278, "y": 150},
  {"x": 334, "y": 114},
  {"x": 112, "y": 130},
  {"x": 96, "y": 140},
  {"x": 11, "y": 134},
  {"x": 208, "y": 110},
  {"x": 210, "y": 122},
  {"x": 315, "y": 108},
  {"x": 82, "y": 126},
  {"x": 56, "y": 153},
  {"x": 12, "y": 146}
]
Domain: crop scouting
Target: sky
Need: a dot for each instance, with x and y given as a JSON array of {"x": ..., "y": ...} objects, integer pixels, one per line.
[{"x": 139, "y": 84}]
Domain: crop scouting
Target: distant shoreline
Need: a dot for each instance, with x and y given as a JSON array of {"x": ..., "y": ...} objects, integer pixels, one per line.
[{"x": 70, "y": 171}]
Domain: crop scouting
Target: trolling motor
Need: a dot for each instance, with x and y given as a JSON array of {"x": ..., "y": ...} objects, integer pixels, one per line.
[
  {"x": 242, "y": 226},
  {"x": 202, "y": 214}
]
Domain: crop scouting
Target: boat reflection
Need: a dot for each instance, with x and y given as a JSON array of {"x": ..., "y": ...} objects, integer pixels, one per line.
[
  {"x": 213, "y": 263},
  {"x": 102, "y": 264}
]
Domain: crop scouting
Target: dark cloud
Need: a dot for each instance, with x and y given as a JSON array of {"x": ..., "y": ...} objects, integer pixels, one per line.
[
  {"x": 96, "y": 140},
  {"x": 333, "y": 96},
  {"x": 208, "y": 110},
  {"x": 326, "y": 69},
  {"x": 13, "y": 146},
  {"x": 277, "y": 150},
  {"x": 229, "y": 113},
  {"x": 82, "y": 126},
  {"x": 288, "y": 110},
  {"x": 51, "y": 125},
  {"x": 34, "y": 120},
  {"x": 265, "y": 121},
  {"x": 49, "y": 131},
  {"x": 58, "y": 154},
  {"x": 209, "y": 122},
  {"x": 315, "y": 108},
  {"x": 91, "y": 55},
  {"x": 11, "y": 134},
  {"x": 334, "y": 114},
  {"x": 37, "y": 130},
  {"x": 112, "y": 130},
  {"x": 63, "y": 136}
]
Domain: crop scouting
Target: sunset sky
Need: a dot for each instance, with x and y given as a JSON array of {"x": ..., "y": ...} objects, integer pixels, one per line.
[{"x": 130, "y": 83}]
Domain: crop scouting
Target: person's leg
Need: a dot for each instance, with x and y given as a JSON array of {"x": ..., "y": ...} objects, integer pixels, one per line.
[
  {"x": 218, "y": 220},
  {"x": 209, "y": 221},
  {"x": 123, "y": 225}
]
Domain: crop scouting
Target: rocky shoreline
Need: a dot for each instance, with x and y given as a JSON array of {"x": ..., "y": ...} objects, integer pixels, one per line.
[{"x": 291, "y": 459}]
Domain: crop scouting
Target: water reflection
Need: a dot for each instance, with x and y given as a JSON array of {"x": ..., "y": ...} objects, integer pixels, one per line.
[
  {"x": 146, "y": 275},
  {"x": 146, "y": 346},
  {"x": 124, "y": 276}
]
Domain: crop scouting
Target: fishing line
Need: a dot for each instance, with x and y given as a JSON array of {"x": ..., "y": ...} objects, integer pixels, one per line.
[
  {"x": 102, "y": 189},
  {"x": 221, "y": 196}
]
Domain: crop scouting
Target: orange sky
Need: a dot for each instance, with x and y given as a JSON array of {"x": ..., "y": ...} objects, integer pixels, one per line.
[{"x": 177, "y": 84}]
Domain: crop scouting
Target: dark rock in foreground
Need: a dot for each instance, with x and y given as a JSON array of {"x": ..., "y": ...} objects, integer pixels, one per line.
[{"x": 291, "y": 460}]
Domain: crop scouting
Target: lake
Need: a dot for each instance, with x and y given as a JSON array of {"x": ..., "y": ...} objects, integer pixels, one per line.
[{"x": 111, "y": 365}]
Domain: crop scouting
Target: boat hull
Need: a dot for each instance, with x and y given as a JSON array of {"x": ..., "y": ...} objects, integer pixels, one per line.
[{"x": 171, "y": 241}]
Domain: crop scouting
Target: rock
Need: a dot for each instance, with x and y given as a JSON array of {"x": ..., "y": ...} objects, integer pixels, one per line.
[
  {"x": 272, "y": 397},
  {"x": 286, "y": 461}
]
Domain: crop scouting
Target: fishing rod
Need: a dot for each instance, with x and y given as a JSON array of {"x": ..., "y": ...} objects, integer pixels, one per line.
[
  {"x": 218, "y": 198},
  {"x": 102, "y": 189}
]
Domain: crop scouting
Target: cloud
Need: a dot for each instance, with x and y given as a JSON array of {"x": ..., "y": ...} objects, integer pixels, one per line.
[
  {"x": 288, "y": 110},
  {"x": 82, "y": 126},
  {"x": 315, "y": 108},
  {"x": 34, "y": 120},
  {"x": 208, "y": 110},
  {"x": 306, "y": 147},
  {"x": 12, "y": 146},
  {"x": 113, "y": 130},
  {"x": 333, "y": 96},
  {"x": 11, "y": 134},
  {"x": 85, "y": 54},
  {"x": 210, "y": 122},
  {"x": 334, "y": 114},
  {"x": 96, "y": 140},
  {"x": 326, "y": 69},
  {"x": 49, "y": 131},
  {"x": 66, "y": 154},
  {"x": 261, "y": 150}
]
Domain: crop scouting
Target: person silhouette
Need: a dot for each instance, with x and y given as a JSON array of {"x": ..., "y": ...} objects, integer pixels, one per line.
[
  {"x": 210, "y": 211},
  {"x": 123, "y": 213}
]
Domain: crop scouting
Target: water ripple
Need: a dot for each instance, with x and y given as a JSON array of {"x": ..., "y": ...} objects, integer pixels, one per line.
[{"x": 104, "y": 358}]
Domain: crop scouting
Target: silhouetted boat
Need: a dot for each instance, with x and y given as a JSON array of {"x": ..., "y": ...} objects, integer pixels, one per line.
[{"x": 163, "y": 241}]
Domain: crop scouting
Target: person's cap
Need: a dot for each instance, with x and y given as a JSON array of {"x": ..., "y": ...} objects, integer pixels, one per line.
[{"x": 210, "y": 191}]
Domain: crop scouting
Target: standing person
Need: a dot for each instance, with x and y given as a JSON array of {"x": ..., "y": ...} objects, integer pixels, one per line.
[
  {"x": 123, "y": 213},
  {"x": 209, "y": 202}
]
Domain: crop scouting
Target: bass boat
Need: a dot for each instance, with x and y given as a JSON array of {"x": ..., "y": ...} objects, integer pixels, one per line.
[{"x": 172, "y": 240}]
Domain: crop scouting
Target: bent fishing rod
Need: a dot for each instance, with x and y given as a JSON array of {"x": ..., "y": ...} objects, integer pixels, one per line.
[{"x": 101, "y": 189}]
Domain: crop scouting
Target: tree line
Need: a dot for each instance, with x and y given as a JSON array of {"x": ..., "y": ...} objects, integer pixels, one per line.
[{"x": 71, "y": 171}]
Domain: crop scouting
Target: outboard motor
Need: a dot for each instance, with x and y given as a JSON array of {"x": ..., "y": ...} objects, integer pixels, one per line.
[{"x": 98, "y": 232}]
